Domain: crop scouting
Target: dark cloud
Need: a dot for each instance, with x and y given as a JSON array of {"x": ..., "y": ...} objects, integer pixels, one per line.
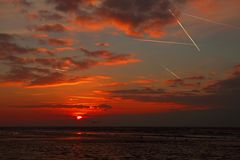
[
  {"x": 135, "y": 17},
  {"x": 223, "y": 93},
  {"x": 50, "y": 28},
  {"x": 52, "y": 63},
  {"x": 47, "y": 71},
  {"x": 102, "y": 44},
  {"x": 47, "y": 15},
  {"x": 67, "y": 6},
  {"x": 99, "y": 53},
  {"x": 103, "y": 107},
  {"x": 143, "y": 91},
  {"x": 4, "y": 37},
  {"x": 85, "y": 63},
  {"x": 32, "y": 67},
  {"x": 111, "y": 58},
  {"x": 34, "y": 77},
  {"x": 195, "y": 78},
  {"x": 236, "y": 70},
  {"x": 57, "y": 42},
  {"x": 49, "y": 79},
  {"x": 9, "y": 48},
  {"x": 68, "y": 106},
  {"x": 24, "y": 3},
  {"x": 21, "y": 74},
  {"x": 69, "y": 63},
  {"x": 193, "y": 81}
]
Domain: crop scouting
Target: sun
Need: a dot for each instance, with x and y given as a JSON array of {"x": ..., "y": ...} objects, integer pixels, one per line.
[{"x": 79, "y": 117}]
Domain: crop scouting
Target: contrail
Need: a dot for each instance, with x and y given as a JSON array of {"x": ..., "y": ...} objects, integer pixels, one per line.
[
  {"x": 211, "y": 21},
  {"x": 166, "y": 42},
  {"x": 172, "y": 73},
  {"x": 186, "y": 32}
]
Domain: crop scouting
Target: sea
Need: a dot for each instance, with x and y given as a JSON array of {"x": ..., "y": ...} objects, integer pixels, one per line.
[{"x": 119, "y": 143}]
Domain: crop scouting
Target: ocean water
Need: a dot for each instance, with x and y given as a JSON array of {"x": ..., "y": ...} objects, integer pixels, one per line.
[{"x": 119, "y": 143}]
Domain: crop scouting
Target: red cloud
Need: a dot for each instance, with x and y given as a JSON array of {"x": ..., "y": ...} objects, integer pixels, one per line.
[
  {"x": 144, "y": 81},
  {"x": 51, "y": 28},
  {"x": 120, "y": 60},
  {"x": 58, "y": 79},
  {"x": 132, "y": 17},
  {"x": 60, "y": 42},
  {"x": 236, "y": 70},
  {"x": 111, "y": 58},
  {"x": 102, "y": 44},
  {"x": 115, "y": 84}
]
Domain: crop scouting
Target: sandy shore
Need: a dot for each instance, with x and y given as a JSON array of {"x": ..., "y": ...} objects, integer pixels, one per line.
[{"x": 135, "y": 145}]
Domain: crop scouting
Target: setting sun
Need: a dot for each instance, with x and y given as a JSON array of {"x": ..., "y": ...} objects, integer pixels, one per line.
[{"x": 79, "y": 117}]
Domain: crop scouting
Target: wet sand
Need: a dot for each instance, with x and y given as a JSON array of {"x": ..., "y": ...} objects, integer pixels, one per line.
[{"x": 120, "y": 144}]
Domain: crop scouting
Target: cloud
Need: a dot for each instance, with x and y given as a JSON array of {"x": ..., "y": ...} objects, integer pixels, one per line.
[
  {"x": 120, "y": 60},
  {"x": 223, "y": 93},
  {"x": 135, "y": 17},
  {"x": 24, "y": 3},
  {"x": 103, "y": 107},
  {"x": 111, "y": 58},
  {"x": 41, "y": 67},
  {"x": 44, "y": 15},
  {"x": 51, "y": 63},
  {"x": 22, "y": 75},
  {"x": 58, "y": 79},
  {"x": 50, "y": 28},
  {"x": 144, "y": 81},
  {"x": 85, "y": 63},
  {"x": 142, "y": 91},
  {"x": 98, "y": 53},
  {"x": 141, "y": 82},
  {"x": 114, "y": 84},
  {"x": 236, "y": 70},
  {"x": 70, "y": 6},
  {"x": 9, "y": 48},
  {"x": 48, "y": 15},
  {"x": 4, "y": 37},
  {"x": 193, "y": 81},
  {"x": 58, "y": 42},
  {"x": 102, "y": 44},
  {"x": 33, "y": 77},
  {"x": 195, "y": 78},
  {"x": 49, "y": 72},
  {"x": 107, "y": 58}
]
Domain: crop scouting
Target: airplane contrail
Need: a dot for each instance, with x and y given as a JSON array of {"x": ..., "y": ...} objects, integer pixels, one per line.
[
  {"x": 166, "y": 42},
  {"x": 186, "y": 32},
  {"x": 211, "y": 21},
  {"x": 172, "y": 73}
]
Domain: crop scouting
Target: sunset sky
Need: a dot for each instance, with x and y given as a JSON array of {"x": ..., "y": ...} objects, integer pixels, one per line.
[{"x": 119, "y": 63}]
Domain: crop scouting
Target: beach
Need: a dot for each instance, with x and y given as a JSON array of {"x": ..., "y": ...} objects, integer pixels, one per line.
[{"x": 119, "y": 143}]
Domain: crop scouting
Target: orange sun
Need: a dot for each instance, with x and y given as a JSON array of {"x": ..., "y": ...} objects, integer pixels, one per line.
[{"x": 79, "y": 117}]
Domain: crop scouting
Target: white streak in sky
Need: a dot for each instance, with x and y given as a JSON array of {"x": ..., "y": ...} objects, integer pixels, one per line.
[
  {"x": 60, "y": 70},
  {"x": 211, "y": 21},
  {"x": 186, "y": 32},
  {"x": 172, "y": 73},
  {"x": 166, "y": 42}
]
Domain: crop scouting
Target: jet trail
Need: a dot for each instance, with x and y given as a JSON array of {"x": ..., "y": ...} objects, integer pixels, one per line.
[
  {"x": 186, "y": 32},
  {"x": 211, "y": 21},
  {"x": 166, "y": 42},
  {"x": 172, "y": 73}
]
